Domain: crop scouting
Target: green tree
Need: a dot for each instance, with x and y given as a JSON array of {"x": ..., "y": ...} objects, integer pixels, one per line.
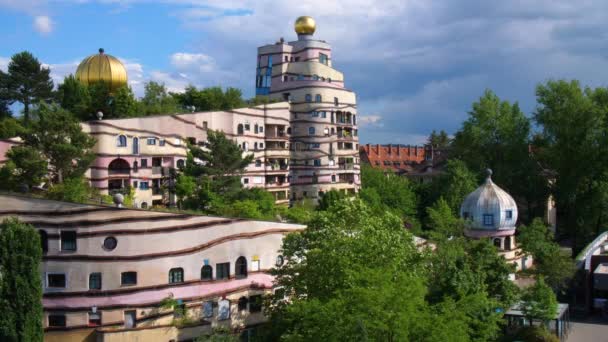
[
  {"x": 439, "y": 140},
  {"x": 5, "y": 111},
  {"x": 334, "y": 296},
  {"x": 456, "y": 182},
  {"x": 124, "y": 103},
  {"x": 28, "y": 82},
  {"x": 208, "y": 99},
  {"x": 217, "y": 168},
  {"x": 442, "y": 222},
  {"x": 156, "y": 100},
  {"x": 20, "y": 288},
  {"x": 396, "y": 192},
  {"x": 496, "y": 135},
  {"x": 101, "y": 99},
  {"x": 330, "y": 198},
  {"x": 539, "y": 302},
  {"x": 75, "y": 189},
  {"x": 553, "y": 265},
  {"x": 25, "y": 166},
  {"x": 60, "y": 139},
  {"x": 74, "y": 97},
  {"x": 10, "y": 128}
]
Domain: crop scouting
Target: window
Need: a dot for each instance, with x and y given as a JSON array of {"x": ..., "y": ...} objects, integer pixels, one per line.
[
  {"x": 56, "y": 320},
  {"x": 135, "y": 145},
  {"x": 280, "y": 261},
  {"x": 247, "y": 127},
  {"x": 465, "y": 215},
  {"x": 128, "y": 278},
  {"x": 144, "y": 185},
  {"x": 245, "y": 146},
  {"x": 509, "y": 214},
  {"x": 152, "y": 141},
  {"x": 255, "y": 303},
  {"x": 315, "y": 114},
  {"x": 333, "y": 178},
  {"x": 143, "y": 205},
  {"x": 315, "y": 77},
  {"x": 297, "y": 59},
  {"x": 68, "y": 241},
  {"x": 323, "y": 115},
  {"x": 242, "y": 304},
  {"x": 144, "y": 163},
  {"x": 205, "y": 125},
  {"x": 207, "y": 309},
  {"x": 258, "y": 163},
  {"x": 206, "y": 272},
  {"x": 245, "y": 180},
  {"x": 161, "y": 142},
  {"x": 336, "y": 102},
  {"x": 110, "y": 243},
  {"x": 255, "y": 146},
  {"x": 130, "y": 319},
  {"x": 122, "y": 141},
  {"x": 135, "y": 166},
  {"x": 56, "y": 280},
  {"x": 181, "y": 163},
  {"x": 261, "y": 129},
  {"x": 488, "y": 219},
  {"x": 240, "y": 129},
  {"x": 286, "y": 58},
  {"x": 261, "y": 146},
  {"x": 222, "y": 271},
  {"x": 95, "y": 281},
  {"x": 497, "y": 243},
  {"x": 317, "y": 162},
  {"x": 318, "y": 98},
  {"x": 308, "y": 98},
  {"x": 94, "y": 319},
  {"x": 176, "y": 275},
  {"x": 322, "y": 58},
  {"x": 44, "y": 241},
  {"x": 315, "y": 145},
  {"x": 311, "y": 131},
  {"x": 240, "y": 268}
]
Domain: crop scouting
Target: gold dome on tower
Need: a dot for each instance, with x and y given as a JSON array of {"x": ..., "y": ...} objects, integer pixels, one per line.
[
  {"x": 305, "y": 25},
  {"x": 102, "y": 68}
]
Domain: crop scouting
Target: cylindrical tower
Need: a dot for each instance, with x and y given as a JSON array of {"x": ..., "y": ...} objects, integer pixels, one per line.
[{"x": 323, "y": 139}]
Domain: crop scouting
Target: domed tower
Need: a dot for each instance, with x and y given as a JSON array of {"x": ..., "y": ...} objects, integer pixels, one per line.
[
  {"x": 323, "y": 134},
  {"x": 102, "y": 67},
  {"x": 490, "y": 212}
]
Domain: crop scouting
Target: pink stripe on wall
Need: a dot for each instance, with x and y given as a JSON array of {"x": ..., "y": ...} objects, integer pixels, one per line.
[{"x": 155, "y": 296}]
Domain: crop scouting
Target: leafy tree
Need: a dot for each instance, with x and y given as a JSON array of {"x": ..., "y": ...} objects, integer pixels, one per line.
[
  {"x": 58, "y": 136},
  {"x": 396, "y": 192},
  {"x": 101, "y": 99},
  {"x": 74, "y": 97},
  {"x": 555, "y": 267},
  {"x": 456, "y": 182},
  {"x": 219, "y": 334},
  {"x": 25, "y": 166},
  {"x": 20, "y": 288},
  {"x": 5, "y": 111},
  {"x": 572, "y": 144},
  {"x": 539, "y": 302},
  {"x": 28, "y": 82},
  {"x": 10, "y": 128},
  {"x": 335, "y": 296},
  {"x": 184, "y": 188},
  {"x": 75, "y": 190},
  {"x": 208, "y": 99},
  {"x": 497, "y": 135},
  {"x": 439, "y": 140},
  {"x": 330, "y": 198},
  {"x": 442, "y": 222},
  {"x": 156, "y": 100},
  {"x": 217, "y": 169},
  {"x": 124, "y": 103}
]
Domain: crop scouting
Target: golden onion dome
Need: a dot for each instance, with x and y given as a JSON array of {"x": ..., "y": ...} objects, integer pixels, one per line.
[
  {"x": 305, "y": 25},
  {"x": 102, "y": 68}
]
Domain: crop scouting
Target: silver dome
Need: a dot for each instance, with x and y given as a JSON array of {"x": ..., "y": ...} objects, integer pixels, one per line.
[{"x": 489, "y": 208}]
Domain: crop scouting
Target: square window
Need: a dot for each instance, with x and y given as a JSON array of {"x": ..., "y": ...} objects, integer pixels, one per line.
[
  {"x": 144, "y": 163},
  {"x": 135, "y": 184},
  {"x": 509, "y": 214},
  {"x": 261, "y": 129},
  {"x": 161, "y": 142},
  {"x": 317, "y": 162},
  {"x": 151, "y": 141},
  {"x": 56, "y": 280},
  {"x": 222, "y": 271},
  {"x": 245, "y": 180},
  {"x": 247, "y": 127},
  {"x": 68, "y": 241},
  {"x": 144, "y": 185},
  {"x": 261, "y": 145},
  {"x": 56, "y": 320},
  {"x": 128, "y": 278},
  {"x": 488, "y": 220},
  {"x": 95, "y": 281}
]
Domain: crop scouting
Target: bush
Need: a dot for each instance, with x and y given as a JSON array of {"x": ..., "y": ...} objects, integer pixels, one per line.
[
  {"x": 535, "y": 334},
  {"x": 71, "y": 190}
]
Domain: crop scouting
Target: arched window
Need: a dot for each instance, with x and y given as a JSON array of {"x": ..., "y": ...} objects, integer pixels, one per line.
[
  {"x": 315, "y": 77},
  {"x": 240, "y": 129},
  {"x": 135, "y": 145},
  {"x": 308, "y": 98},
  {"x": 311, "y": 131},
  {"x": 144, "y": 205},
  {"x": 255, "y": 145},
  {"x": 318, "y": 98},
  {"x": 508, "y": 243},
  {"x": 181, "y": 163},
  {"x": 176, "y": 275},
  {"x": 207, "y": 273},
  {"x": 122, "y": 141},
  {"x": 243, "y": 301},
  {"x": 245, "y": 146},
  {"x": 240, "y": 268},
  {"x": 135, "y": 166},
  {"x": 44, "y": 241}
]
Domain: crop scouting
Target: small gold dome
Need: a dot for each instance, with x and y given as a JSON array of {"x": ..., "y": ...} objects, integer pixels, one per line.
[
  {"x": 102, "y": 68},
  {"x": 305, "y": 25}
]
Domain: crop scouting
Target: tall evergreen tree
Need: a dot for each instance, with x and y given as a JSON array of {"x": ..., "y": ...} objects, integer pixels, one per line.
[
  {"x": 28, "y": 82},
  {"x": 5, "y": 111},
  {"x": 20, "y": 286},
  {"x": 75, "y": 97}
]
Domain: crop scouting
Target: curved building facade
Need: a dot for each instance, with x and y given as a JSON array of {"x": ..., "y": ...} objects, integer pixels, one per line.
[{"x": 323, "y": 139}]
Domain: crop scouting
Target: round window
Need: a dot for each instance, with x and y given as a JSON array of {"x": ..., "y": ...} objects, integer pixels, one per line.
[
  {"x": 110, "y": 243},
  {"x": 280, "y": 260}
]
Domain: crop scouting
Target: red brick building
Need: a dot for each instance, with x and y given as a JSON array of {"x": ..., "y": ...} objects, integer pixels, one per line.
[{"x": 399, "y": 158}]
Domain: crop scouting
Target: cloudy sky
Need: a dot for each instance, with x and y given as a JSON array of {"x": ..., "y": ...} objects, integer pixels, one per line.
[{"x": 416, "y": 65}]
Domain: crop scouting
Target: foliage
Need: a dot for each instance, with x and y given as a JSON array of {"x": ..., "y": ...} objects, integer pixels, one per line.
[
  {"x": 301, "y": 211},
  {"x": 539, "y": 302},
  {"x": 442, "y": 222},
  {"x": 156, "y": 100},
  {"x": 101, "y": 100},
  {"x": 572, "y": 144},
  {"x": 58, "y": 136},
  {"x": 534, "y": 334},
  {"x": 396, "y": 192},
  {"x": 208, "y": 99},
  {"x": 10, "y": 128},
  {"x": 439, "y": 140},
  {"x": 555, "y": 267},
  {"x": 75, "y": 189},
  {"x": 124, "y": 103},
  {"x": 25, "y": 166},
  {"x": 496, "y": 135},
  {"x": 329, "y": 198},
  {"x": 219, "y": 334},
  {"x": 74, "y": 97},
  {"x": 20, "y": 286},
  {"x": 184, "y": 187},
  {"x": 27, "y": 82}
]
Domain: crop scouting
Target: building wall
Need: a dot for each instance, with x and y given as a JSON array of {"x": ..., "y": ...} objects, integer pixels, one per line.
[{"x": 394, "y": 157}]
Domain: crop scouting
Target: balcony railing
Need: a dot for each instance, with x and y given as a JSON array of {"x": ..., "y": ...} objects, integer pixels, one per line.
[{"x": 119, "y": 171}]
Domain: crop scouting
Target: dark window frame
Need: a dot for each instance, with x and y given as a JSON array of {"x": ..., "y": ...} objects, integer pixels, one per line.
[
  {"x": 93, "y": 281},
  {"x": 207, "y": 273},
  {"x": 222, "y": 270},
  {"x": 128, "y": 278},
  {"x": 53, "y": 283},
  {"x": 176, "y": 275},
  {"x": 240, "y": 268},
  {"x": 66, "y": 241},
  {"x": 57, "y": 320}
]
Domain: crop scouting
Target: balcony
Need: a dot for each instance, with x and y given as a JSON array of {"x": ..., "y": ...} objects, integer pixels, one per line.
[
  {"x": 157, "y": 191},
  {"x": 347, "y": 166},
  {"x": 156, "y": 170},
  {"x": 113, "y": 172}
]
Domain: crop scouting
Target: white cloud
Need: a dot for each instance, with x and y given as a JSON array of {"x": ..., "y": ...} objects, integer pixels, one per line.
[
  {"x": 193, "y": 61},
  {"x": 370, "y": 120},
  {"x": 43, "y": 24},
  {"x": 4, "y": 63}
]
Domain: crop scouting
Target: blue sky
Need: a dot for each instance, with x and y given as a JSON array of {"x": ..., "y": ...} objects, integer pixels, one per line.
[{"x": 416, "y": 65}]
